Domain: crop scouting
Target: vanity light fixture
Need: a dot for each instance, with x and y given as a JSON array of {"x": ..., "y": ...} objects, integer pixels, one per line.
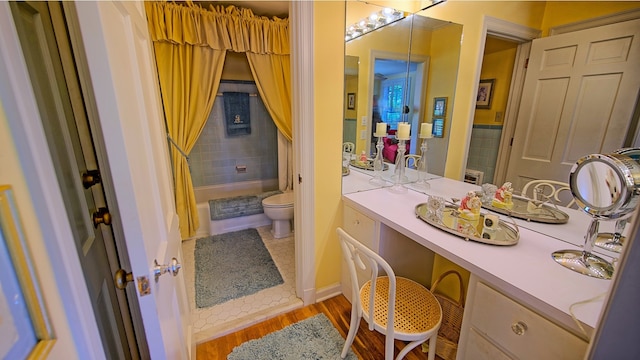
[{"x": 374, "y": 21}]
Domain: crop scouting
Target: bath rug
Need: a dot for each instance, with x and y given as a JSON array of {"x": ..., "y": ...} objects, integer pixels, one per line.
[
  {"x": 232, "y": 265},
  {"x": 237, "y": 206},
  {"x": 313, "y": 338}
]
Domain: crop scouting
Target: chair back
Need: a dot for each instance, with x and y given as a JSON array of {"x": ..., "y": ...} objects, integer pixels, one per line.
[
  {"x": 412, "y": 161},
  {"x": 348, "y": 147},
  {"x": 550, "y": 190},
  {"x": 362, "y": 260}
]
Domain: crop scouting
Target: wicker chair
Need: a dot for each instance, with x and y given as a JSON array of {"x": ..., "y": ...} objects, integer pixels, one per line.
[
  {"x": 412, "y": 161},
  {"x": 397, "y": 307},
  {"x": 543, "y": 190}
]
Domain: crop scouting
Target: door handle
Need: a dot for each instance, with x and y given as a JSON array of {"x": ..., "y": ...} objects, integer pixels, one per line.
[
  {"x": 122, "y": 278},
  {"x": 101, "y": 216},
  {"x": 173, "y": 268},
  {"x": 90, "y": 178}
]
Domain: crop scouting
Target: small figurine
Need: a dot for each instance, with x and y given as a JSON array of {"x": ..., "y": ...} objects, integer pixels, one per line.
[
  {"x": 504, "y": 197},
  {"x": 363, "y": 156},
  {"x": 470, "y": 208}
]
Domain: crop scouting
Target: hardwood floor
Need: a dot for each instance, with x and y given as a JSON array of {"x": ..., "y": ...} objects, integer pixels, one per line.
[{"x": 368, "y": 345}]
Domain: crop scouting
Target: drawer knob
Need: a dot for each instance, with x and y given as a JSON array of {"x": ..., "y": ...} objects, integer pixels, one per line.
[
  {"x": 519, "y": 328},
  {"x": 356, "y": 222}
]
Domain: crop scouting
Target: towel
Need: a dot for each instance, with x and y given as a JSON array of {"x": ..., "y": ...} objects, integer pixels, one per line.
[{"x": 236, "y": 113}]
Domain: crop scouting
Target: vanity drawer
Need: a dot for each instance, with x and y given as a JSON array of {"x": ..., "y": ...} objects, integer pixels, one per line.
[
  {"x": 479, "y": 348},
  {"x": 361, "y": 227},
  {"x": 521, "y": 331}
]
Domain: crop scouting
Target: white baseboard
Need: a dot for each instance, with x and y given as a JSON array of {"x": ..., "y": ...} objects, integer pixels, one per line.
[{"x": 328, "y": 292}]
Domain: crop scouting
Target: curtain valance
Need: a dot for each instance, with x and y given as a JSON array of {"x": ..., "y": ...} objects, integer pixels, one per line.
[{"x": 219, "y": 27}]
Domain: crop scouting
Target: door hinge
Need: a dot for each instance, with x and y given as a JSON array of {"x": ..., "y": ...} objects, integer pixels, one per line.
[
  {"x": 511, "y": 142},
  {"x": 299, "y": 179}
]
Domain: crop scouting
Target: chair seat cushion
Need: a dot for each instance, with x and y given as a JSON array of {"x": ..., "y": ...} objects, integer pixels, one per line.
[{"x": 416, "y": 310}]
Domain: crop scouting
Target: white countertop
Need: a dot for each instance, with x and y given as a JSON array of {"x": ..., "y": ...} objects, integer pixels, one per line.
[{"x": 526, "y": 271}]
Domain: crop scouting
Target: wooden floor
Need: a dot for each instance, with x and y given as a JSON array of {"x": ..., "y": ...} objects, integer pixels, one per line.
[{"x": 368, "y": 345}]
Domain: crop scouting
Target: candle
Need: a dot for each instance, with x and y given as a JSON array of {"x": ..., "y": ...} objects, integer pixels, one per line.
[
  {"x": 381, "y": 129},
  {"x": 425, "y": 130},
  {"x": 403, "y": 131}
]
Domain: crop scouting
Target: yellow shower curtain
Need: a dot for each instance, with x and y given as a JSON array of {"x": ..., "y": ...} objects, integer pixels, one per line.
[{"x": 190, "y": 44}]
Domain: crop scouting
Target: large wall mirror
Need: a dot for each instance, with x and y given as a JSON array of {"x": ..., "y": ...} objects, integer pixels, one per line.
[
  {"x": 427, "y": 51},
  {"x": 398, "y": 71}
]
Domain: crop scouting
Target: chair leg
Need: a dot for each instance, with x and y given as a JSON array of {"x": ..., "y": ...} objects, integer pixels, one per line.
[
  {"x": 353, "y": 329},
  {"x": 388, "y": 348},
  {"x": 410, "y": 346},
  {"x": 432, "y": 347}
]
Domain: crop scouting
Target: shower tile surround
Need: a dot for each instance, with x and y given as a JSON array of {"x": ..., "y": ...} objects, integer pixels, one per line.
[
  {"x": 483, "y": 149},
  {"x": 212, "y": 322},
  {"x": 215, "y": 155}
]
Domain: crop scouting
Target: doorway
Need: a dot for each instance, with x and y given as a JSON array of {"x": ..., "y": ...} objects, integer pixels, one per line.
[{"x": 498, "y": 69}]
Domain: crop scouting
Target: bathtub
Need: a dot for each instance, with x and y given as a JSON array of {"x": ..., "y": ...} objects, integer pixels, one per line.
[{"x": 213, "y": 227}]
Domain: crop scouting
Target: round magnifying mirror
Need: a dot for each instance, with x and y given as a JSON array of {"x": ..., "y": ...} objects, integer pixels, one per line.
[{"x": 605, "y": 185}]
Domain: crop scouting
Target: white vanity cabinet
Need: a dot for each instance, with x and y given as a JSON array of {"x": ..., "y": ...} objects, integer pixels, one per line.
[
  {"x": 513, "y": 289},
  {"x": 497, "y": 327},
  {"x": 407, "y": 258}
]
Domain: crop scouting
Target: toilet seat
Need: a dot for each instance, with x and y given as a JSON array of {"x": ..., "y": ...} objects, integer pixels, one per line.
[{"x": 279, "y": 201}]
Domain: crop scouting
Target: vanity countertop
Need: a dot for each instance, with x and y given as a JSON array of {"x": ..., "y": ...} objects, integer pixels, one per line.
[{"x": 526, "y": 270}]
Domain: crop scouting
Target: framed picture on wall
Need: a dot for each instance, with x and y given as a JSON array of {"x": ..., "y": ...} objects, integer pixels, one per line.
[
  {"x": 438, "y": 127},
  {"x": 351, "y": 101},
  {"x": 485, "y": 93},
  {"x": 440, "y": 107}
]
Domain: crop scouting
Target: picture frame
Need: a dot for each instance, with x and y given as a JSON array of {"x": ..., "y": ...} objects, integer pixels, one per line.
[
  {"x": 351, "y": 101},
  {"x": 485, "y": 93},
  {"x": 440, "y": 107},
  {"x": 438, "y": 127},
  {"x": 22, "y": 307}
]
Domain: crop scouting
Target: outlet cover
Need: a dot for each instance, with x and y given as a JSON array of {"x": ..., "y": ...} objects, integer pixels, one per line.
[
  {"x": 363, "y": 134},
  {"x": 363, "y": 120}
]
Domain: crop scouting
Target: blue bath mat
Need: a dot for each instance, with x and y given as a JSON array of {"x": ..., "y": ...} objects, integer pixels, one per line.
[
  {"x": 237, "y": 206},
  {"x": 314, "y": 338},
  {"x": 232, "y": 265}
]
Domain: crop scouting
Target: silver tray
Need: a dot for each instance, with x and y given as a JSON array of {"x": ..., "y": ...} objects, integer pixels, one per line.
[
  {"x": 367, "y": 165},
  {"x": 545, "y": 213},
  {"x": 504, "y": 234}
]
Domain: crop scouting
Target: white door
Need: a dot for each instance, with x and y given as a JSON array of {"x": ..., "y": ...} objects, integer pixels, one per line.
[
  {"x": 579, "y": 97},
  {"x": 122, "y": 71},
  {"x": 57, "y": 92}
]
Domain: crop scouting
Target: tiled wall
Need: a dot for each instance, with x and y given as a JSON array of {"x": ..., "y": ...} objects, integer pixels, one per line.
[
  {"x": 483, "y": 150},
  {"x": 214, "y": 158}
]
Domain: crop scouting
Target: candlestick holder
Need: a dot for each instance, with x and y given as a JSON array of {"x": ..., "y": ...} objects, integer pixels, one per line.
[
  {"x": 399, "y": 178},
  {"x": 422, "y": 165},
  {"x": 378, "y": 163}
]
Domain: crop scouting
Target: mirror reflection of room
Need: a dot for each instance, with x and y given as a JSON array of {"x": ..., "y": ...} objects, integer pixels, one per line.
[{"x": 399, "y": 70}]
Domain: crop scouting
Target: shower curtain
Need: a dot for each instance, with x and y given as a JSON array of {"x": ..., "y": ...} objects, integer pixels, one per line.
[{"x": 190, "y": 45}]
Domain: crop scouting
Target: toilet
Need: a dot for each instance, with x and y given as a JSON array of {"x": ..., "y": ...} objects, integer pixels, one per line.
[{"x": 279, "y": 208}]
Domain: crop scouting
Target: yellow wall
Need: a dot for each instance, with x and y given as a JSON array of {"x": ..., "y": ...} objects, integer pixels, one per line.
[
  {"x": 328, "y": 87},
  {"x": 236, "y": 67},
  {"x": 443, "y": 69},
  {"x": 498, "y": 66}
]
